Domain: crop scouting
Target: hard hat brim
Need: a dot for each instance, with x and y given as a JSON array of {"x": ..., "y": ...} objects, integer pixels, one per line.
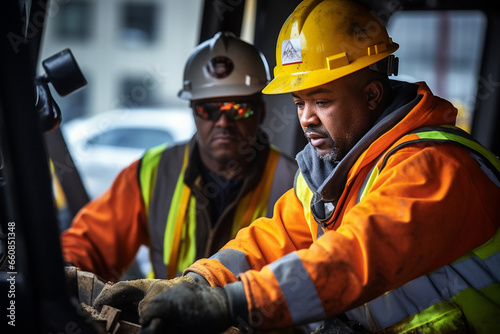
[
  {"x": 297, "y": 81},
  {"x": 214, "y": 91}
]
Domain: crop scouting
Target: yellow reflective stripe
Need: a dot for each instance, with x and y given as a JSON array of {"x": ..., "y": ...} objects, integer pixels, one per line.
[
  {"x": 147, "y": 174},
  {"x": 469, "y": 308},
  {"x": 254, "y": 204},
  {"x": 488, "y": 249},
  {"x": 493, "y": 293},
  {"x": 187, "y": 248},
  {"x": 304, "y": 194},
  {"x": 369, "y": 183},
  {"x": 481, "y": 308},
  {"x": 175, "y": 220},
  {"x": 240, "y": 212},
  {"x": 438, "y": 135},
  {"x": 441, "y": 317},
  {"x": 59, "y": 196},
  {"x": 151, "y": 274}
]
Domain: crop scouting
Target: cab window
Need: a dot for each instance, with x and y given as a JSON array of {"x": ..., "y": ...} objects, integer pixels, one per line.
[{"x": 444, "y": 49}]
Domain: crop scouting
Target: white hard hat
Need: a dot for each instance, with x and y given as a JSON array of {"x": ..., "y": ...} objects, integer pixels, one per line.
[{"x": 224, "y": 66}]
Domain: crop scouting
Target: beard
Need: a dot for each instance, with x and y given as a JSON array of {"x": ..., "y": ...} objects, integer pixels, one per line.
[
  {"x": 333, "y": 154},
  {"x": 329, "y": 157}
]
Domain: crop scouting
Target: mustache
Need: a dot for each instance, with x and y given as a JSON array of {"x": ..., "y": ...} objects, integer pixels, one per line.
[
  {"x": 316, "y": 130},
  {"x": 224, "y": 132}
]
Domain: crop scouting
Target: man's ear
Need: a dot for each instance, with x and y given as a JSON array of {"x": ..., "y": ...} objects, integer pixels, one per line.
[{"x": 374, "y": 92}]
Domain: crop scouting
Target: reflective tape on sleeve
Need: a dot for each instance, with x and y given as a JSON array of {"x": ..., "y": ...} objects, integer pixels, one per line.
[
  {"x": 234, "y": 260},
  {"x": 396, "y": 305},
  {"x": 296, "y": 285}
]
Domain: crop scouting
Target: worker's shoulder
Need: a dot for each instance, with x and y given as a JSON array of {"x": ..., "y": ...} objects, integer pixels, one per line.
[
  {"x": 426, "y": 150},
  {"x": 447, "y": 155}
]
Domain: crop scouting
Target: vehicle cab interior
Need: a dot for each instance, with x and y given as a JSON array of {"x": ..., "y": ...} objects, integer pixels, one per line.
[{"x": 73, "y": 74}]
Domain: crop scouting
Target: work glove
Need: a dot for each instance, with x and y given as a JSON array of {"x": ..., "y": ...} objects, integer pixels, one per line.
[
  {"x": 131, "y": 296},
  {"x": 187, "y": 308}
]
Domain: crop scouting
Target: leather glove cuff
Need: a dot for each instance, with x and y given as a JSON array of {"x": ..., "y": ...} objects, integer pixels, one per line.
[{"x": 238, "y": 306}]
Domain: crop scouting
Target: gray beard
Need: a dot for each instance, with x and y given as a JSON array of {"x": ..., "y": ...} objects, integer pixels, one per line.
[{"x": 330, "y": 157}]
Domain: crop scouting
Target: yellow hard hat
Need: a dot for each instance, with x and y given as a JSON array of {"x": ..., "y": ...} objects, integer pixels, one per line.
[{"x": 324, "y": 40}]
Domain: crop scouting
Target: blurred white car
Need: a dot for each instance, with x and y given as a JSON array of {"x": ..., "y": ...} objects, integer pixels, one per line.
[{"x": 102, "y": 145}]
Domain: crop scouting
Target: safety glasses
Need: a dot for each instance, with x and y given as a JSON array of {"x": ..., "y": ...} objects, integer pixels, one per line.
[{"x": 235, "y": 110}]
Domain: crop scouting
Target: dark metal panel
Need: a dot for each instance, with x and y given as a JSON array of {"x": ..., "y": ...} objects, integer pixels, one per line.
[
  {"x": 41, "y": 302},
  {"x": 486, "y": 120},
  {"x": 221, "y": 15}
]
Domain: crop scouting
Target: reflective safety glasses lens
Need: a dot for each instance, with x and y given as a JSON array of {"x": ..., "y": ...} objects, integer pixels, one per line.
[
  {"x": 213, "y": 110},
  {"x": 205, "y": 111}
]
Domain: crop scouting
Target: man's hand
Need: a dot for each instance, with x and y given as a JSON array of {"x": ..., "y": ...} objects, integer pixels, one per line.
[
  {"x": 187, "y": 308},
  {"x": 128, "y": 296}
]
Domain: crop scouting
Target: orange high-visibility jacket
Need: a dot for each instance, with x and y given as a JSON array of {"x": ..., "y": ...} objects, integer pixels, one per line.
[
  {"x": 430, "y": 205},
  {"x": 107, "y": 233}
]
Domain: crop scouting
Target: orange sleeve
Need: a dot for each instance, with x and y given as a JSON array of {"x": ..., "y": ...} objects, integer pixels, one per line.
[
  {"x": 105, "y": 235},
  {"x": 264, "y": 241}
]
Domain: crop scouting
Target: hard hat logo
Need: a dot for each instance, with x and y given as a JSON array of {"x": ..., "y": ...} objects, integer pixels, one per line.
[
  {"x": 220, "y": 67},
  {"x": 291, "y": 52}
]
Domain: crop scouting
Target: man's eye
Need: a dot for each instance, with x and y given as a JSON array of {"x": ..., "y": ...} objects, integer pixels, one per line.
[
  {"x": 322, "y": 103},
  {"x": 299, "y": 105}
]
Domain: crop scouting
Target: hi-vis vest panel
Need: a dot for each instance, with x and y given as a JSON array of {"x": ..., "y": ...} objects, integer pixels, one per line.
[
  {"x": 179, "y": 225},
  {"x": 466, "y": 291}
]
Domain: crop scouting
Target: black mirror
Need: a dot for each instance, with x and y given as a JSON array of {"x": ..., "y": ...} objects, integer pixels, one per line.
[{"x": 63, "y": 72}]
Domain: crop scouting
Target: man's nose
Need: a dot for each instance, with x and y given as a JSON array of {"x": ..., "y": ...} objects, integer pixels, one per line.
[
  {"x": 307, "y": 116},
  {"x": 224, "y": 120}
]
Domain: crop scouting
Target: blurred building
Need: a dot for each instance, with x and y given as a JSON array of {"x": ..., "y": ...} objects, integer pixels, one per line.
[{"x": 132, "y": 52}]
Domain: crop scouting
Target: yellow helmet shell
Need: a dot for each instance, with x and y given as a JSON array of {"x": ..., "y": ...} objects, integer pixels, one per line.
[{"x": 324, "y": 40}]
